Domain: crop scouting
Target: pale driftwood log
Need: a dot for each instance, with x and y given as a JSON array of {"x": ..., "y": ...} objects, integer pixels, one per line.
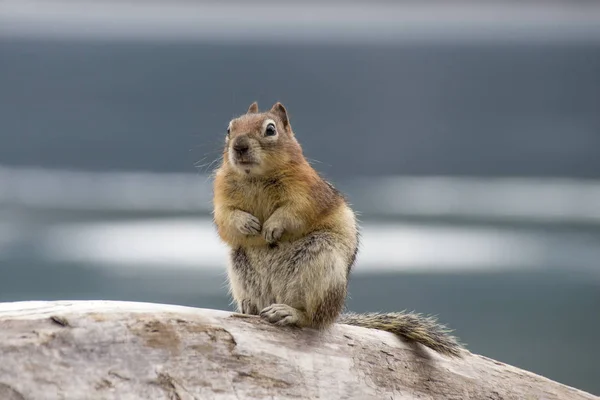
[{"x": 120, "y": 350}]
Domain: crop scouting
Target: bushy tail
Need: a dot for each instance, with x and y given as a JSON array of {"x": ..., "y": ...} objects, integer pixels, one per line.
[{"x": 411, "y": 326}]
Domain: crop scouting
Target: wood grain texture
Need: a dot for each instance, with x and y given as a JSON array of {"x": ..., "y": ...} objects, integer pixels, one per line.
[{"x": 122, "y": 350}]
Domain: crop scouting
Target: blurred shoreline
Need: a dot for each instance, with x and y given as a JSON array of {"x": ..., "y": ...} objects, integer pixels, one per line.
[
  {"x": 155, "y": 220},
  {"x": 519, "y": 200}
]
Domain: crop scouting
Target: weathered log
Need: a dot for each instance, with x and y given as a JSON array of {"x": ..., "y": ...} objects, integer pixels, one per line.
[{"x": 120, "y": 350}]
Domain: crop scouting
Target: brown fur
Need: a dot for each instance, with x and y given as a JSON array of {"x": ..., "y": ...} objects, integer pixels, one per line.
[{"x": 292, "y": 235}]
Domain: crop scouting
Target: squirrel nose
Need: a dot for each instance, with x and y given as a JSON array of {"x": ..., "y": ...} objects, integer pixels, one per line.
[{"x": 241, "y": 147}]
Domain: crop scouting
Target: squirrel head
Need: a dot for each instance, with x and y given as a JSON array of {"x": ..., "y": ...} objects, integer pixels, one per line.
[{"x": 260, "y": 143}]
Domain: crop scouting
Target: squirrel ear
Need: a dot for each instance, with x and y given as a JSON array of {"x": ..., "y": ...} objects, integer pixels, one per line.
[
  {"x": 279, "y": 110},
  {"x": 253, "y": 109}
]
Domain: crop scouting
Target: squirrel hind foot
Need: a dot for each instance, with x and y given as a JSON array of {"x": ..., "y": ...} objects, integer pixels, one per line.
[
  {"x": 410, "y": 326},
  {"x": 283, "y": 315}
]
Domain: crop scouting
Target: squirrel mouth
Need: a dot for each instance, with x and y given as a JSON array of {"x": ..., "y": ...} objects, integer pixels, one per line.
[
  {"x": 245, "y": 161},
  {"x": 245, "y": 165}
]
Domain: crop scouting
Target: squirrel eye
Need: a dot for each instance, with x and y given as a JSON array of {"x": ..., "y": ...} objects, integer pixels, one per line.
[
  {"x": 270, "y": 131},
  {"x": 228, "y": 131}
]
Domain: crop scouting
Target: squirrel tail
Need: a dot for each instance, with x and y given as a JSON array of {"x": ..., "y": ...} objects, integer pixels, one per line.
[{"x": 411, "y": 326}]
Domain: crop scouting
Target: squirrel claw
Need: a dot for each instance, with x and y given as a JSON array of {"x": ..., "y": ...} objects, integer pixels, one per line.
[
  {"x": 280, "y": 314},
  {"x": 289, "y": 320},
  {"x": 272, "y": 234},
  {"x": 248, "y": 224}
]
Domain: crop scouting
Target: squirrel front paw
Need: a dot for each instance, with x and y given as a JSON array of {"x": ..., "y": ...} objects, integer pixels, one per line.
[
  {"x": 246, "y": 223},
  {"x": 272, "y": 230}
]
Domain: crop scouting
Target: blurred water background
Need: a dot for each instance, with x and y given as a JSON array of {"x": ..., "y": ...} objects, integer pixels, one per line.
[{"x": 467, "y": 135}]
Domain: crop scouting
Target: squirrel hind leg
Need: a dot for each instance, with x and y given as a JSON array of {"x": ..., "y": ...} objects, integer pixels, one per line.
[
  {"x": 410, "y": 326},
  {"x": 314, "y": 277}
]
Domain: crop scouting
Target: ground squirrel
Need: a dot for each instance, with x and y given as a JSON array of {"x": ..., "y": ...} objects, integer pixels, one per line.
[{"x": 293, "y": 237}]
